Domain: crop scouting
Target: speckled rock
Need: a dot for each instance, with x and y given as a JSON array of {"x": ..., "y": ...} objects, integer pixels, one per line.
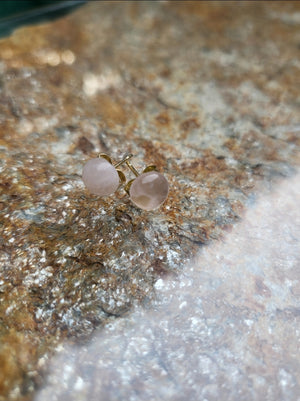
[
  {"x": 205, "y": 91},
  {"x": 225, "y": 329}
]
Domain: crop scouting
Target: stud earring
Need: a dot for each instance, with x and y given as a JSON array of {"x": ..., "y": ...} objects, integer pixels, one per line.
[
  {"x": 148, "y": 190},
  {"x": 101, "y": 176}
]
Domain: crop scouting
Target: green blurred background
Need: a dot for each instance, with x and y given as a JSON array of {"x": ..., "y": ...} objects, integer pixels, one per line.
[{"x": 15, "y": 13}]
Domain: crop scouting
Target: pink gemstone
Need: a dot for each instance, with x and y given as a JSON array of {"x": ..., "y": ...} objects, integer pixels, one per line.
[
  {"x": 149, "y": 190},
  {"x": 100, "y": 177}
]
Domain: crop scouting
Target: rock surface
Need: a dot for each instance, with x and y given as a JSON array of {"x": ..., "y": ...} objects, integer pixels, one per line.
[
  {"x": 207, "y": 92},
  {"x": 226, "y": 329}
]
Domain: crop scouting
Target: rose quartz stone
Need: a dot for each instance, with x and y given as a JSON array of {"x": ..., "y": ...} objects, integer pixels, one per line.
[
  {"x": 100, "y": 177},
  {"x": 149, "y": 190}
]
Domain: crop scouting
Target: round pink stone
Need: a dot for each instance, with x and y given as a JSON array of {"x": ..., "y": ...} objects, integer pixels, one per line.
[
  {"x": 100, "y": 177},
  {"x": 149, "y": 190}
]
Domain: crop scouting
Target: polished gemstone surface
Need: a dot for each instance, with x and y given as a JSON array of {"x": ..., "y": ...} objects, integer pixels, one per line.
[
  {"x": 149, "y": 190},
  {"x": 100, "y": 177}
]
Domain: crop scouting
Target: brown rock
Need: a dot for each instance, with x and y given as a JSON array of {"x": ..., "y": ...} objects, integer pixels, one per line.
[{"x": 205, "y": 91}]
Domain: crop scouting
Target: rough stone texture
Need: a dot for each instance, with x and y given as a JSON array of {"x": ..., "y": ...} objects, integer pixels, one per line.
[
  {"x": 209, "y": 93},
  {"x": 226, "y": 329}
]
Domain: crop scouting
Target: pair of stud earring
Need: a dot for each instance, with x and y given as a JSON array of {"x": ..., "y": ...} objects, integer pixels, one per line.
[{"x": 148, "y": 190}]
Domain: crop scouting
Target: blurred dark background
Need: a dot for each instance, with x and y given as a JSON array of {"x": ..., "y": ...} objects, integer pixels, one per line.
[{"x": 15, "y": 13}]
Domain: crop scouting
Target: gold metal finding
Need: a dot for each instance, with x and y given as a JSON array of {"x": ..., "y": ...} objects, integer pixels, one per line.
[
  {"x": 121, "y": 177},
  {"x": 106, "y": 157},
  {"x": 116, "y": 165},
  {"x": 132, "y": 168},
  {"x": 128, "y": 185},
  {"x": 125, "y": 160},
  {"x": 150, "y": 168},
  {"x": 136, "y": 173}
]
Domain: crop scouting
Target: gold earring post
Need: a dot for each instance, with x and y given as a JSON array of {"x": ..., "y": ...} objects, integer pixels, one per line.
[
  {"x": 136, "y": 173},
  {"x": 124, "y": 160},
  {"x": 132, "y": 168}
]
